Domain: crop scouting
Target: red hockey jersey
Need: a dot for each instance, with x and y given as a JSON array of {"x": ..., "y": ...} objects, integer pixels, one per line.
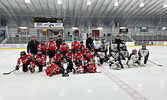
[
  {"x": 78, "y": 56},
  {"x": 91, "y": 67},
  {"x": 23, "y": 60},
  {"x": 70, "y": 56},
  {"x": 58, "y": 57},
  {"x": 83, "y": 48},
  {"x": 40, "y": 59},
  {"x": 88, "y": 55},
  {"x": 51, "y": 45},
  {"x": 52, "y": 70},
  {"x": 64, "y": 47},
  {"x": 41, "y": 47},
  {"x": 75, "y": 45}
]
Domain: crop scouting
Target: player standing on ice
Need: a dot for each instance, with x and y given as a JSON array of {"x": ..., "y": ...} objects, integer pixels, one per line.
[
  {"x": 40, "y": 61},
  {"x": 58, "y": 41},
  {"x": 32, "y": 46},
  {"x": 115, "y": 60},
  {"x": 89, "y": 42},
  {"x": 64, "y": 47},
  {"x": 58, "y": 59},
  {"x": 96, "y": 45},
  {"x": 82, "y": 47},
  {"x": 42, "y": 47},
  {"x": 69, "y": 58},
  {"x": 75, "y": 45},
  {"x": 87, "y": 56},
  {"x": 134, "y": 58},
  {"x": 26, "y": 60},
  {"x": 143, "y": 54},
  {"x": 112, "y": 46},
  {"x": 52, "y": 69},
  {"x": 104, "y": 45},
  {"x": 51, "y": 47},
  {"x": 118, "y": 41}
]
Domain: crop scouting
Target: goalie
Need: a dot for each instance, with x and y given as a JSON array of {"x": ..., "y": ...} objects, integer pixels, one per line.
[{"x": 143, "y": 54}]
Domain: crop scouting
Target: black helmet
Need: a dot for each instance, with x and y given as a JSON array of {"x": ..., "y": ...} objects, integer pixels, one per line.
[
  {"x": 43, "y": 42},
  {"x": 81, "y": 42},
  {"x": 23, "y": 53},
  {"x": 143, "y": 46},
  {"x": 39, "y": 52}
]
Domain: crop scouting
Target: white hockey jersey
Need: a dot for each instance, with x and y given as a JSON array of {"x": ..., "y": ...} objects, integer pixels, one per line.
[
  {"x": 113, "y": 46},
  {"x": 101, "y": 54},
  {"x": 124, "y": 53},
  {"x": 143, "y": 53},
  {"x": 96, "y": 44}
]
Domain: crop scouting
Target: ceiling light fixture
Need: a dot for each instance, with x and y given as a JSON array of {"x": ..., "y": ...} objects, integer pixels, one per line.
[
  {"x": 116, "y": 3},
  {"x": 99, "y": 28},
  {"x": 23, "y": 27},
  {"x": 165, "y": 5},
  {"x": 59, "y": 2},
  {"x": 74, "y": 28},
  {"x": 89, "y": 2},
  {"x": 27, "y": 1},
  {"x": 142, "y": 4}
]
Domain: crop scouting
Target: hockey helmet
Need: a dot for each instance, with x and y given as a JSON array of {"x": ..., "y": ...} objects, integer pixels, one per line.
[
  {"x": 39, "y": 52},
  {"x": 58, "y": 52},
  {"x": 23, "y": 54},
  {"x": 78, "y": 51}
]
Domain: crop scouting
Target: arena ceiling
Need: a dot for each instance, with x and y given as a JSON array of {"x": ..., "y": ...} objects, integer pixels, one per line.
[{"x": 78, "y": 13}]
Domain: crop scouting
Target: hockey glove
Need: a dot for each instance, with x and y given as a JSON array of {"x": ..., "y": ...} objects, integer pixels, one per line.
[{"x": 17, "y": 67}]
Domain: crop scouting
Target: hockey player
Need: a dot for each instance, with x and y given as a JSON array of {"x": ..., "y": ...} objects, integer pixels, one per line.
[
  {"x": 96, "y": 45},
  {"x": 82, "y": 47},
  {"x": 40, "y": 60},
  {"x": 104, "y": 45},
  {"x": 122, "y": 44},
  {"x": 78, "y": 61},
  {"x": 58, "y": 59},
  {"x": 124, "y": 53},
  {"x": 69, "y": 58},
  {"x": 51, "y": 47},
  {"x": 101, "y": 57},
  {"x": 26, "y": 60},
  {"x": 75, "y": 45},
  {"x": 91, "y": 66},
  {"x": 115, "y": 59},
  {"x": 52, "y": 69},
  {"x": 87, "y": 56},
  {"x": 64, "y": 47},
  {"x": 143, "y": 54},
  {"x": 113, "y": 45},
  {"x": 42, "y": 47},
  {"x": 134, "y": 57}
]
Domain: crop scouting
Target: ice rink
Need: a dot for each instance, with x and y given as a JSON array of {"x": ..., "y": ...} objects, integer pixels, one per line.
[{"x": 142, "y": 83}]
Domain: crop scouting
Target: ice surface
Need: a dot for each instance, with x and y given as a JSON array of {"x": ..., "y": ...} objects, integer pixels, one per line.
[{"x": 143, "y": 83}]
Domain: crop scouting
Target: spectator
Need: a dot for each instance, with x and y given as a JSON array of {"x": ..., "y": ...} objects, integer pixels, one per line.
[
  {"x": 89, "y": 42},
  {"x": 58, "y": 42},
  {"x": 32, "y": 46},
  {"x": 118, "y": 41}
]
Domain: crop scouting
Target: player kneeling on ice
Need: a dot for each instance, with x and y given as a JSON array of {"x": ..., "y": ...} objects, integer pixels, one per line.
[
  {"x": 134, "y": 58},
  {"x": 124, "y": 55},
  {"x": 114, "y": 60},
  {"x": 101, "y": 58},
  {"x": 26, "y": 60},
  {"x": 78, "y": 62},
  {"x": 87, "y": 56},
  {"x": 58, "y": 59},
  {"x": 143, "y": 55},
  {"x": 91, "y": 66},
  {"x": 52, "y": 69},
  {"x": 40, "y": 61},
  {"x": 69, "y": 58}
]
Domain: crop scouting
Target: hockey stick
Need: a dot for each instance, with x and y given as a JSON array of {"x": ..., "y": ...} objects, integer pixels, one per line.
[
  {"x": 154, "y": 63},
  {"x": 11, "y": 71}
]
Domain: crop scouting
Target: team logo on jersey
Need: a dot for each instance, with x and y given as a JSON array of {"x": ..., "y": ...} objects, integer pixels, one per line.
[
  {"x": 143, "y": 51},
  {"x": 25, "y": 60},
  {"x": 76, "y": 44},
  {"x": 52, "y": 45},
  {"x": 97, "y": 42},
  {"x": 38, "y": 59}
]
